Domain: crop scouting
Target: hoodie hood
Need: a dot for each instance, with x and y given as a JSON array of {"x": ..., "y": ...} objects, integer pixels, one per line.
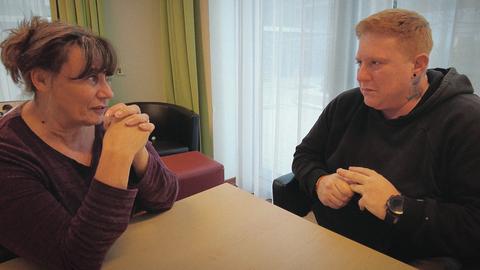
[
  {"x": 445, "y": 84},
  {"x": 451, "y": 84}
]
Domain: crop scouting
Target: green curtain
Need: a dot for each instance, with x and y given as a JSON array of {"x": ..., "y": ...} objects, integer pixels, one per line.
[
  {"x": 185, "y": 61},
  {"x": 86, "y": 13}
]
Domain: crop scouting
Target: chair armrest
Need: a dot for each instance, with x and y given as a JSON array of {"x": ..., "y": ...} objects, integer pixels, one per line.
[{"x": 287, "y": 195}]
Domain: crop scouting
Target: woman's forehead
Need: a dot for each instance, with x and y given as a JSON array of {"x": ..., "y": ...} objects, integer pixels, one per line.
[
  {"x": 81, "y": 63},
  {"x": 77, "y": 61}
]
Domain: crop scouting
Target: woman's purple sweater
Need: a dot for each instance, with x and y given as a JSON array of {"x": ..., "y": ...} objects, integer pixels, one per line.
[{"x": 55, "y": 213}]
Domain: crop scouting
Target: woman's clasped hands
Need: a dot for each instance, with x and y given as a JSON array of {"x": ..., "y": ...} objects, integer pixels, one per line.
[
  {"x": 126, "y": 128},
  {"x": 126, "y": 133}
]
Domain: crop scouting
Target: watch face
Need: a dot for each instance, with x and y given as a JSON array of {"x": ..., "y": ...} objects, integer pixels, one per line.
[{"x": 395, "y": 204}]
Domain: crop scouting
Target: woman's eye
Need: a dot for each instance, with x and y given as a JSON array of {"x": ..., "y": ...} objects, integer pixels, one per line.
[{"x": 93, "y": 79}]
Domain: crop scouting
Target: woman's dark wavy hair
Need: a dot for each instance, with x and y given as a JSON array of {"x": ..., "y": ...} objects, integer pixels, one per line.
[{"x": 37, "y": 43}]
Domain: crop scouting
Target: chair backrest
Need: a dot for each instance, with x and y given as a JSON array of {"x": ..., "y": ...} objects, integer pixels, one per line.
[{"x": 173, "y": 123}]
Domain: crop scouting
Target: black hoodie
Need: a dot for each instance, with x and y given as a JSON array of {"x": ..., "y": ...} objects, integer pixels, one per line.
[{"x": 431, "y": 155}]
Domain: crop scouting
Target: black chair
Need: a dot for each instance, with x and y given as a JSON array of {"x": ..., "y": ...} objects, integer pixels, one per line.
[
  {"x": 287, "y": 195},
  {"x": 177, "y": 129}
]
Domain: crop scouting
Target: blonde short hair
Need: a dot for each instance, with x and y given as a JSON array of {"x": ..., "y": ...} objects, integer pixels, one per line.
[{"x": 411, "y": 28}]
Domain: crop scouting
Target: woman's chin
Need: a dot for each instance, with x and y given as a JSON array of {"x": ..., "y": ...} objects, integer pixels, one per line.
[{"x": 95, "y": 120}]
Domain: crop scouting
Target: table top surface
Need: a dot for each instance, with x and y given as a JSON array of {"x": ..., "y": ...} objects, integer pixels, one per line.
[{"x": 228, "y": 228}]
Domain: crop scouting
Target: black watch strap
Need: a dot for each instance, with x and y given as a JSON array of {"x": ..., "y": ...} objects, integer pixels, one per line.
[{"x": 391, "y": 218}]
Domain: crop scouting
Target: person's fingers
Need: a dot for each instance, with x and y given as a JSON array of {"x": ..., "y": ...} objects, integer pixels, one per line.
[
  {"x": 362, "y": 170},
  {"x": 344, "y": 189},
  {"x": 120, "y": 110},
  {"x": 352, "y": 176},
  {"x": 137, "y": 119},
  {"x": 334, "y": 203},
  {"x": 127, "y": 111},
  {"x": 107, "y": 121},
  {"x": 110, "y": 111},
  {"x": 357, "y": 188},
  {"x": 329, "y": 193},
  {"x": 361, "y": 204},
  {"x": 147, "y": 126},
  {"x": 338, "y": 196}
]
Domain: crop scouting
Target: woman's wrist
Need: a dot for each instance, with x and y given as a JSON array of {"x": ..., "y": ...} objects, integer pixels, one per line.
[
  {"x": 140, "y": 162},
  {"x": 114, "y": 168}
]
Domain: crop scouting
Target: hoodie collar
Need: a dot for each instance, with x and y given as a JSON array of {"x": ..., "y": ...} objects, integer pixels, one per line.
[{"x": 444, "y": 84}]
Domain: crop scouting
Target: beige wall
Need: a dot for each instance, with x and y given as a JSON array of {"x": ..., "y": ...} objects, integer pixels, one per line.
[{"x": 132, "y": 28}]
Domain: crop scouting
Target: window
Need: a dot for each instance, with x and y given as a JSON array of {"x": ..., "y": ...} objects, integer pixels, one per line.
[{"x": 11, "y": 13}]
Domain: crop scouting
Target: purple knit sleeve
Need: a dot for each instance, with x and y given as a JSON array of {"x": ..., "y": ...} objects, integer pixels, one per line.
[
  {"x": 158, "y": 188},
  {"x": 34, "y": 225},
  {"x": 54, "y": 214}
]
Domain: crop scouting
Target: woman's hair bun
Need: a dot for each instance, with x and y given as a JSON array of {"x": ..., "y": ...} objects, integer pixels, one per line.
[
  {"x": 17, "y": 43},
  {"x": 38, "y": 43}
]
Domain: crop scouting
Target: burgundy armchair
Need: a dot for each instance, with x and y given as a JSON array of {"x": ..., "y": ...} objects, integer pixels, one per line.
[{"x": 195, "y": 171}]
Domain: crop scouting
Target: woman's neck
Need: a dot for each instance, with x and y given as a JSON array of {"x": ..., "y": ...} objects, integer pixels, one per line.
[{"x": 73, "y": 141}]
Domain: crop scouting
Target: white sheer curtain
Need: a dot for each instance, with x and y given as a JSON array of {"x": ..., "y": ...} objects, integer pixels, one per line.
[
  {"x": 276, "y": 64},
  {"x": 456, "y": 35},
  {"x": 12, "y": 12}
]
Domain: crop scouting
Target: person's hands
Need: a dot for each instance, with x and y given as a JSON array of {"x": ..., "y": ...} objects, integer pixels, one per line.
[
  {"x": 131, "y": 116},
  {"x": 333, "y": 191},
  {"x": 121, "y": 111},
  {"x": 127, "y": 139},
  {"x": 373, "y": 187},
  {"x": 123, "y": 145}
]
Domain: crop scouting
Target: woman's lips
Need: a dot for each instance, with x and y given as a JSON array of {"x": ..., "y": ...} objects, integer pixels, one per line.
[{"x": 99, "y": 109}]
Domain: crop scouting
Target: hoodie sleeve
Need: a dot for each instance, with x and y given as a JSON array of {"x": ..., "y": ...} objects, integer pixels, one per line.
[
  {"x": 309, "y": 158},
  {"x": 449, "y": 224}
]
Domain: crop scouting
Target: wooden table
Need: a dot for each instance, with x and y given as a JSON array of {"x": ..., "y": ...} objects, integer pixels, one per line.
[{"x": 227, "y": 228}]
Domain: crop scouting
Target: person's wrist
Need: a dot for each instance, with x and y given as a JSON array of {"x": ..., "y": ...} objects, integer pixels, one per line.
[
  {"x": 318, "y": 181},
  {"x": 394, "y": 208},
  {"x": 119, "y": 150},
  {"x": 140, "y": 161},
  {"x": 113, "y": 168}
]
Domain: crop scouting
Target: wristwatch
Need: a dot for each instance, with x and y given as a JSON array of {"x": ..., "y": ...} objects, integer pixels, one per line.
[{"x": 394, "y": 207}]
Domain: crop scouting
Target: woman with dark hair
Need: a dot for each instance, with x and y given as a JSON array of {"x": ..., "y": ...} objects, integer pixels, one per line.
[{"x": 72, "y": 169}]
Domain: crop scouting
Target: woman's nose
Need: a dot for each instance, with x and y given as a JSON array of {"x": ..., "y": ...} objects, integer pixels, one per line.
[{"x": 105, "y": 90}]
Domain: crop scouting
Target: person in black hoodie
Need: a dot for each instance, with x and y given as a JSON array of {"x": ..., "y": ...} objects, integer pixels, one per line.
[{"x": 395, "y": 163}]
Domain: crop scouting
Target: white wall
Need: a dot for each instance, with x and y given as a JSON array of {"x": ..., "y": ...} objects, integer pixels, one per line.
[{"x": 132, "y": 28}]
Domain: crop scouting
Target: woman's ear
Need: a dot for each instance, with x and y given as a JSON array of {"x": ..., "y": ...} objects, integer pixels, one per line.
[
  {"x": 421, "y": 63},
  {"x": 41, "y": 79}
]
